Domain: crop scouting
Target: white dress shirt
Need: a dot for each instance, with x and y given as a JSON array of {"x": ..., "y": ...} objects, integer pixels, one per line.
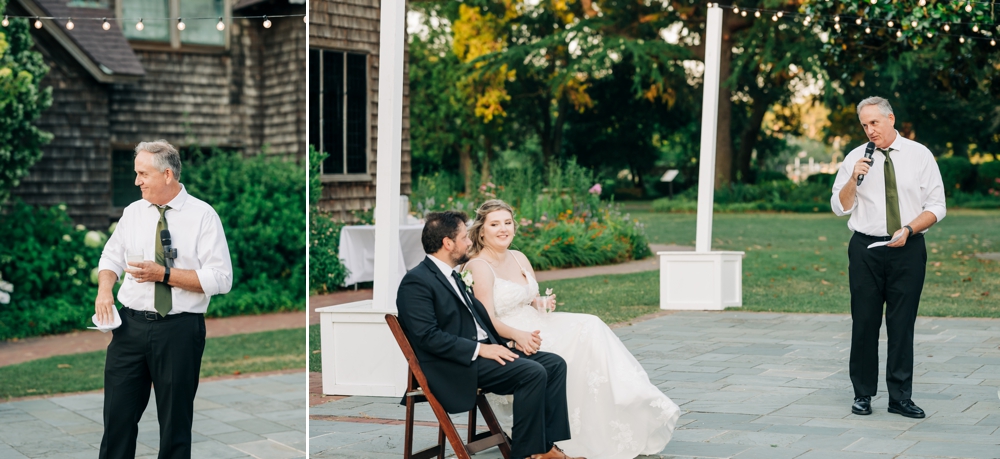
[
  {"x": 447, "y": 270},
  {"x": 918, "y": 181},
  {"x": 195, "y": 231}
]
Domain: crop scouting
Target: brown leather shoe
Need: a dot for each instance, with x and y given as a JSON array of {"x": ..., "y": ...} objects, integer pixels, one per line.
[{"x": 554, "y": 453}]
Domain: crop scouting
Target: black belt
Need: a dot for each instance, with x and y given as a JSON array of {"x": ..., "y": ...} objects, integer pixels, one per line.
[
  {"x": 870, "y": 238},
  {"x": 151, "y": 316}
]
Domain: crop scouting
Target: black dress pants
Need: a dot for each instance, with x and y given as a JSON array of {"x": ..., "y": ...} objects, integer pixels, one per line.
[
  {"x": 166, "y": 353},
  {"x": 538, "y": 382},
  {"x": 893, "y": 277}
]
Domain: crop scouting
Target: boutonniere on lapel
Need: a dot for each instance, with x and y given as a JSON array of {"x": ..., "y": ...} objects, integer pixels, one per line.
[{"x": 467, "y": 280}]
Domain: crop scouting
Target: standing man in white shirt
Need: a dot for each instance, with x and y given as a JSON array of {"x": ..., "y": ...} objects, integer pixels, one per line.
[
  {"x": 162, "y": 335},
  {"x": 901, "y": 197}
]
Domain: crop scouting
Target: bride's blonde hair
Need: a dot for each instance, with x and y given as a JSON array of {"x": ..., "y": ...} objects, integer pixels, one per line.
[{"x": 476, "y": 230}]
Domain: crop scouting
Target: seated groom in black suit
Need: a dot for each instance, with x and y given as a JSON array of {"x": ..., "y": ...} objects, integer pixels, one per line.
[{"x": 460, "y": 351}]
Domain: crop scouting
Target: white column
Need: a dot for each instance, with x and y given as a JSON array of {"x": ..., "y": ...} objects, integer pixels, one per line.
[
  {"x": 390, "y": 127},
  {"x": 709, "y": 127}
]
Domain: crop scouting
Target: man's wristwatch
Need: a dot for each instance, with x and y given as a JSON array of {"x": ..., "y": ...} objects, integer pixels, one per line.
[
  {"x": 166, "y": 274},
  {"x": 909, "y": 229}
]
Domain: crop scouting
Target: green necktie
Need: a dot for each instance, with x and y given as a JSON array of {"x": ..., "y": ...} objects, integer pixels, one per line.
[
  {"x": 162, "y": 299},
  {"x": 892, "y": 223}
]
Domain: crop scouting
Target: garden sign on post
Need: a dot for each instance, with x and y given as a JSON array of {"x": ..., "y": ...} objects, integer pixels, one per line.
[
  {"x": 360, "y": 355},
  {"x": 703, "y": 279}
]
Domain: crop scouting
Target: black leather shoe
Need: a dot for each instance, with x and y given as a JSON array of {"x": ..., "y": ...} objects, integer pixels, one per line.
[
  {"x": 862, "y": 405},
  {"x": 906, "y": 408}
]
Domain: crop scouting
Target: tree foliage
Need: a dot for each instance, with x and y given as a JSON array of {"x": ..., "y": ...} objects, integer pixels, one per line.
[{"x": 22, "y": 101}]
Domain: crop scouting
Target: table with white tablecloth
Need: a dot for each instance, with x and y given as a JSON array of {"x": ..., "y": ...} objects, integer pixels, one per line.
[{"x": 357, "y": 250}]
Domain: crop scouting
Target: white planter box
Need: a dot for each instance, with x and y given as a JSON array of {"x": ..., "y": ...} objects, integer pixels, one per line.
[
  {"x": 701, "y": 280},
  {"x": 360, "y": 355}
]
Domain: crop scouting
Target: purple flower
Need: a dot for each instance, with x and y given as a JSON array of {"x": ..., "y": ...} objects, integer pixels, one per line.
[{"x": 596, "y": 189}]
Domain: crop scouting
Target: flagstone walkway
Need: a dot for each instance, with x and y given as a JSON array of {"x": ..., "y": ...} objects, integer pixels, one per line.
[
  {"x": 760, "y": 385},
  {"x": 253, "y": 417}
]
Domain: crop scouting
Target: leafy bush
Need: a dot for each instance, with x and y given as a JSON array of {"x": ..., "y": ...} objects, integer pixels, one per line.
[
  {"x": 774, "y": 196},
  {"x": 261, "y": 201},
  {"x": 988, "y": 178},
  {"x": 22, "y": 101},
  {"x": 563, "y": 221},
  {"x": 46, "y": 267},
  {"x": 974, "y": 200},
  {"x": 957, "y": 174},
  {"x": 326, "y": 272}
]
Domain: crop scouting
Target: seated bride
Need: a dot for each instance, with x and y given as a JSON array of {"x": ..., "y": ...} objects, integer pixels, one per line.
[{"x": 615, "y": 412}]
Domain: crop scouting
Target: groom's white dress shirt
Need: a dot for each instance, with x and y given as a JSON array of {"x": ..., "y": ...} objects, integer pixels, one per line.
[
  {"x": 195, "y": 231},
  {"x": 447, "y": 270}
]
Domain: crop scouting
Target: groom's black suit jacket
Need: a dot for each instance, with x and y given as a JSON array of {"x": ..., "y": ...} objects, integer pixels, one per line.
[{"x": 442, "y": 332}]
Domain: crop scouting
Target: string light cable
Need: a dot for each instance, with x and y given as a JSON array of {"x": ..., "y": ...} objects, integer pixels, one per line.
[
  {"x": 985, "y": 31},
  {"x": 71, "y": 22}
]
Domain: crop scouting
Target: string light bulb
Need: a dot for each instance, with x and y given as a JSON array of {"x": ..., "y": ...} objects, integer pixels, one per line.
[
  {"x": 780, "y": 13},
  {"x": 756, "y": 14},
  {"x": 961, "y": 39},
  {"x": 105, "y": 25},
  {"x": 736, "y": 9},
  {"x": 993, "y": 42},
  {"x": 922, "y": 3},
  {"x": 743, "y": 13},
  {"x": 774, "y": 18},
  {"x": 968, "y": 7},
  {"x": 857, "y": 21},
  {"x": 180, "y": 24},
  {"x": 975, "y": 28},
  {"x": 139, "y": 26},
  {"x": 868, "y": 29},
  {"x": 913, "y": 23},
  {"x": 5, "y": 22},
  {"x": 899, "y": 33},
  {"x": 837, "y": 26},
  {"x": 836, "y": 19},
  {"x": 947, "y": 27},
  {"x": 874, "y": 2},
  {"x": 806, "y": 20},
  {"x": 220, "y": 26},
  {"x": 69, "y": 24},
  {"x": 267, "y": 23},
  {"x": 890, "y": 23},
  {"x": 930, "y": 34},
  {"x": 38, "y": 23}
]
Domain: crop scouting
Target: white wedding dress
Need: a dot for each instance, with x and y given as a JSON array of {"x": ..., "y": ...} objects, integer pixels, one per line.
[{"x": 614, "y": 411}]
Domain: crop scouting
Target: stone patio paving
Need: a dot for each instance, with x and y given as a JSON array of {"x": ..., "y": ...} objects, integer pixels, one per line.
[
  {"x": 760, "y": 385},
  {"x": 254, "y": 417}
]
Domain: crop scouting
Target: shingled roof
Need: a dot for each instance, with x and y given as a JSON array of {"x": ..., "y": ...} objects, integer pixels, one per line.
[{"x": 106, "y": 54}]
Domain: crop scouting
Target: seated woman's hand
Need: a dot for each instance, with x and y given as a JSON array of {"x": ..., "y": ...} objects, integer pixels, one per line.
[{"x": 528, "y": 343}]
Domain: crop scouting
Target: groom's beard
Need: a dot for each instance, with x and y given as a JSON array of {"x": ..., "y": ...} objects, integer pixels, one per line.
[{"x": 460, "y": 258}]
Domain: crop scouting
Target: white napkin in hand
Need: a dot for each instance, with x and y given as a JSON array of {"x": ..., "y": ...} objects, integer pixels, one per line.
[
  {"x": 881, "y": 243},
  {"x": 106, "y": 328}
]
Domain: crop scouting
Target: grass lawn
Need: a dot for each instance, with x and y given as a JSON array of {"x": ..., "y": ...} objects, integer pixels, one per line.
[
  {"x": 798, "y": 262},
  {"x": 236, "y": 354}
]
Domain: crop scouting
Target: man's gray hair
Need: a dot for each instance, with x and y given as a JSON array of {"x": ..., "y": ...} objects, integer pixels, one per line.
[
  {"x": 165, "y": 156},
  {"x": 882, "y": 104}
]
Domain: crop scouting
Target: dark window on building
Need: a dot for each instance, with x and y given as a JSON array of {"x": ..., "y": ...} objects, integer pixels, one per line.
[
  {"x": 123, "y": 189},
  {"x": 338, "y": 107}
]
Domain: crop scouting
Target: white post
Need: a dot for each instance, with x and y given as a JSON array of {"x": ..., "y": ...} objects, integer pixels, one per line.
[
  {"x": 709, "y": 127},
  {"x": 390, "y": 127}
]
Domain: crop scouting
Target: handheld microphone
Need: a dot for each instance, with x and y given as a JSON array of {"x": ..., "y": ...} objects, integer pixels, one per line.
[
  {"x": 168, "y": 253},
  {"x": 869, "y": 151}
]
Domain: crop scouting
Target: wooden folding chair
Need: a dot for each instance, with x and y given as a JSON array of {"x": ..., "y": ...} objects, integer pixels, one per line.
[{"x": 416, "y": 391}]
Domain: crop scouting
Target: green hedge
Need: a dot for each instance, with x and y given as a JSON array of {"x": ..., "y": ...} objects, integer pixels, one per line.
[
  {"x": 50, "y": 263},
  {"x": 46, "y": 264}
]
